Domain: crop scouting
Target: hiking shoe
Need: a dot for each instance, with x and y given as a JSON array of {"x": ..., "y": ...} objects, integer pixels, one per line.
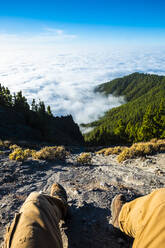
[
  {"x": 58, "y": 190},
  {"x": 59, "y": 193},
  {"x": 116, "y": 205}
]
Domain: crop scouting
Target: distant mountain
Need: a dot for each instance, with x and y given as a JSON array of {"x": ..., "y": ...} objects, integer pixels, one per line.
[
  {"x": 142, "y": 117},
  {"x": 21, "y": 122},
  {"x": 132, "y": 86}
]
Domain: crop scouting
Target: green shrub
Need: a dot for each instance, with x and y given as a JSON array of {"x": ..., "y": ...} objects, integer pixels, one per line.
[
  {"x": 13, "y": 147},
  {"x": 29, "y": 153},
  {"x": 84, "y": 158},
  {"x": 124, "y": 155},
  {"x": 20, "y": 155},
  {"x": 51, "y": 153},
  {"x": 142, "y": 149},
  {"x": 102, "y": 151},
  {"x": 111, "y": 150}
]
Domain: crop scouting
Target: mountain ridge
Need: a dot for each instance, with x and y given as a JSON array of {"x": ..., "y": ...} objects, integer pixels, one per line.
[
  {"x": 126, "y": 86},
  {"x": 143, "y": 93}
]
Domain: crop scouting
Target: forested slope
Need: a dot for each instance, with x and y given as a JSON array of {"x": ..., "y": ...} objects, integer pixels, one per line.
[
  {"x": 20, "y": 121},
  {"x": 142, "y": 117}
]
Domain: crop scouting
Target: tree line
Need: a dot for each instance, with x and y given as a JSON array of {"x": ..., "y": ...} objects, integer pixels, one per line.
[
  {"x": 19, "y": 102},
  {"x": 39, "y": 119}
]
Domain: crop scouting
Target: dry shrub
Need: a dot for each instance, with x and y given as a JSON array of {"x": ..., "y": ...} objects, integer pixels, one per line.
[
  {"x": 102, "y": 151},
  {"x": 84, "y": 158},
  {"x": 125, "y": 154},
  {"x": 51, "y": 153},
  {"x": 1, "y": 143},
  {"x": 114, "y": 150},
  {"x": 13, "y": 147},
  {"x": 17, "y": 155},
  {"x": 108, "y": 151},
  {"x": 20, "y": 155},
  {"x": 161, "y": 144},
  {"x": 29, "y": 153},
  {"x": 5, "y": 143},
  {"x": 46, "y": 153},
  {"x": 154, "y": 140},
  {"x": 111, "y": 150},
  {"x": 142, "y": 149}
]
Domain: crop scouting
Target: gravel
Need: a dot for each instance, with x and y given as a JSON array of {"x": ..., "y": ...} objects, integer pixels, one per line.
[{"x": 90, "y": 190}]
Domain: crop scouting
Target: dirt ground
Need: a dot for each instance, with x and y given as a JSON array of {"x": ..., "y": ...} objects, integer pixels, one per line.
[{"x": 90, "y": 190}]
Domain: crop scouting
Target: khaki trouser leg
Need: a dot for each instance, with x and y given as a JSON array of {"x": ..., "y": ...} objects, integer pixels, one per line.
[
  {"x": 36, "y": 225},
  {"x": 144, "y": 220}
]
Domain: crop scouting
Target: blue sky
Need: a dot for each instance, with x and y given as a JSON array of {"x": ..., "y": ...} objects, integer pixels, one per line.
[
  {"x": 102, "y": 19},
  {"x": 59, "y": 50},
  {"x": 121, "y": 13}
]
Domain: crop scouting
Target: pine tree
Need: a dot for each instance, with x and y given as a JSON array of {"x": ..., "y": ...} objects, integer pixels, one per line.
[
  {"x": 130, "y": 132},
  {"x": 148, "y": 128},
  {"x": 34, "y": 106},
  {"x": 49, "y": 111},
  {"x": 120, "y": 129},
  {"x": 159, "y": 119},
  {"x": 8, "y": 98},
  {"x": 41, "y": 108},
  {"x": 20, "y": 102}
]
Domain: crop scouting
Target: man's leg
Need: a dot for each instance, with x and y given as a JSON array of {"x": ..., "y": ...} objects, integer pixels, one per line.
[
  {"x": 37, "y": 224},
  {"x": 144, "y": 219}
]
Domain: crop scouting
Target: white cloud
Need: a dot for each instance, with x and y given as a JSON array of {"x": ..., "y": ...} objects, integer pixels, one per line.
[
  {"x": 65, "y": 77},
  {"x": 46, "y": 37}
]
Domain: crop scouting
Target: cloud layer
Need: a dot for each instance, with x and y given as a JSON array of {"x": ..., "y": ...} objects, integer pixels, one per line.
[{"x": 65, "y": 78}]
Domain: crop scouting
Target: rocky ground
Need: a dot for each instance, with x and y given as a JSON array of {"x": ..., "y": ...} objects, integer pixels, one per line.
[{"x": 90, "y": 190}]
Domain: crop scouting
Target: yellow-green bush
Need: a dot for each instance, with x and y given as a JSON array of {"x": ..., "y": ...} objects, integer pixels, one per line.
[
  {"x": 154, "y": 140},
  {"x": 161, "y": 144},
  {"x": 125, "y": 154},
  {"x": 111, "y": 150},
  {"x": 114, "y": 150},
  {"x": 20, "y": 155},
  {"x": 51, "y": 153},
  {"x": 46, "y": 153},
  {"x": 17, "y": 155},
  {"x": 13, "y": 147},
  {"x": 29, "y": 153},
  {"x": 5, "y": 143},
  {"x": 136, "y": 150},
  {"x": 102, "y": 151},
  {"x": 1, "y": 143},
  {"x": 84, "y": 158},
  {"x": 142, "y": 149}
]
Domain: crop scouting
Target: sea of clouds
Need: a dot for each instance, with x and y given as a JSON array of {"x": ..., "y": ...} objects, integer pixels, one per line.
[{"x": 65, "y": 78}]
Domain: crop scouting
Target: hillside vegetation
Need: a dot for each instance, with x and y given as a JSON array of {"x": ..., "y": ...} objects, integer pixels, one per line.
[
  {"x": 140, "y": 149},
  {"x": 20, "y": 121},
  {"x": 141, "y": 118}
]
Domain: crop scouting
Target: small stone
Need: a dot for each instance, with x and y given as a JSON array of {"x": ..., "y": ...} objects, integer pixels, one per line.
[
  {"x": 3, "y": 205},
  {"x": 102, "y": 184}
]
